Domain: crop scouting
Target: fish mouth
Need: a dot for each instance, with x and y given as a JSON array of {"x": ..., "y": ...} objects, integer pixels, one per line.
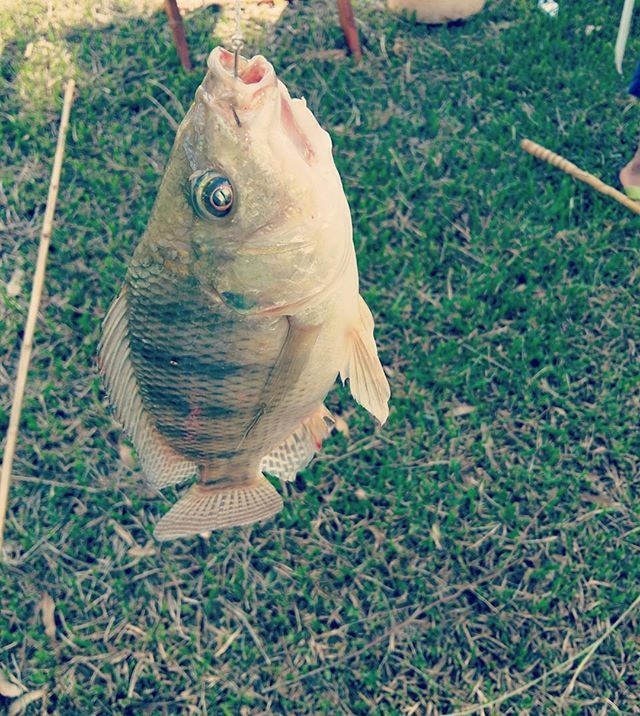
[
  {"x": 246, "y": 90},
  {"x": 255, "y": 96}
]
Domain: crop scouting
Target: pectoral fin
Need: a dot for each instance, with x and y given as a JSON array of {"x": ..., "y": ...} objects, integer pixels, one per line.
[
  {"x": 367, "y": 380},
  {"x": 288, "y": 367}
]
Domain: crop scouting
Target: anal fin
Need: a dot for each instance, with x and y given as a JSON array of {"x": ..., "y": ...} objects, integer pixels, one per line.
[
  {"x": 367, "y": 381},
  {"x": 204, "y": 508},
  {"x": 297, "y": 451}
]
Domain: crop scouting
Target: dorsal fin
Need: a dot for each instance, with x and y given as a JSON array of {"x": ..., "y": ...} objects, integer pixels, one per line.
[{"x": 160, "y": 464}]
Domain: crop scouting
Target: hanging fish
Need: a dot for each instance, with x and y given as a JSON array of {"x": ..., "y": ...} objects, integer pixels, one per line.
[{"x": 240, "y": 306}]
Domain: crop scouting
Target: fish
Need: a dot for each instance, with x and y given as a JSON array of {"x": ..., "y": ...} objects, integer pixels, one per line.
[{"x": 240, "y": 306}]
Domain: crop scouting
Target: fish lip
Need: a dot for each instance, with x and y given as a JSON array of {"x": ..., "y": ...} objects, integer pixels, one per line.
[
  {"x": 255, "y": 92},
  {"x": 255, "y": 77}
]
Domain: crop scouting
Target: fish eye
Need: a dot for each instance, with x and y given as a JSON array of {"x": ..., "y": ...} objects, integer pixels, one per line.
[{"x": 212, "y": 194}]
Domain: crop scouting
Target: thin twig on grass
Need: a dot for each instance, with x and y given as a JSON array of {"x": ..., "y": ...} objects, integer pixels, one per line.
[
  {"x": 397, "y": 628},
  {"x": 348, "y": 24},
  {"x": 585, "y": 653},
  {"x": 36, "y": 294},
  {"x": 177, "y": 28},
  {"x": 59, "y": 483}
]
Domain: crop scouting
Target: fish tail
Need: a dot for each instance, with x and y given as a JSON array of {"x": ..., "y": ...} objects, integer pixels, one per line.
[{"x": 207, "y": 507}]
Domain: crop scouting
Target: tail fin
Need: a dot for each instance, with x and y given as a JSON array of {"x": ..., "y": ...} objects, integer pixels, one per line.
[{"x": 204, "y": 508}]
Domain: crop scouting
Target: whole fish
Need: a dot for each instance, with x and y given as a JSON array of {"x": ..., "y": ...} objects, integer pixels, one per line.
[{"x": 240, "y": 306}]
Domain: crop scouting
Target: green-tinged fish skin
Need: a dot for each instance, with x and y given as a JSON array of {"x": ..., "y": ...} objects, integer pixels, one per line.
[
  {"x": 240, "y": 306},
  {"x": 200, "y": 366}
]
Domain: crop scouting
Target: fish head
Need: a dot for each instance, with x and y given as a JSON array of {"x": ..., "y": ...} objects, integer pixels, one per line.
[
  {"x": 258, "y": 168},
  {"x": 251, "y": 197}
]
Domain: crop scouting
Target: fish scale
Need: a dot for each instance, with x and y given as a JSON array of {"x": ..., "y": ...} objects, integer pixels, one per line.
[{"x": 190, "y": 363}]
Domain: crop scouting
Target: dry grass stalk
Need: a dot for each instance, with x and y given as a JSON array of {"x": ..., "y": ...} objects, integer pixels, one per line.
[
  {"x": 36, "y": 293},
  {"x": 585, "y": 654}
]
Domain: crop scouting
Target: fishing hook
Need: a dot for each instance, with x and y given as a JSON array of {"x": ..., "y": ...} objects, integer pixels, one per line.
[{"x": 237, "y": 41}]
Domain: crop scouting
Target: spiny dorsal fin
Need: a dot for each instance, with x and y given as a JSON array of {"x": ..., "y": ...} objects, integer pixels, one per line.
[
  {"x": 160, "y": 464},
  {"x": 367, "y": 380}
]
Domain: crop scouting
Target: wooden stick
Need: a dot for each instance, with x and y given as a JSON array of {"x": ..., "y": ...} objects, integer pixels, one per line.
[
  {"x": 34, "y": 304},
  {"x": 557, "y": 161},
  {"x": 175, "y": 23},
  {"x": 348, "y": 24}
]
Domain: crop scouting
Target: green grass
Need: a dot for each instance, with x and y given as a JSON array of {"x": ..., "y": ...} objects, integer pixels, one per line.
[{"x": 443, "y": 560}]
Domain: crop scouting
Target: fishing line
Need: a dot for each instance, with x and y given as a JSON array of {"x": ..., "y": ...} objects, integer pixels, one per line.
[{"x": 237, "y": 41}]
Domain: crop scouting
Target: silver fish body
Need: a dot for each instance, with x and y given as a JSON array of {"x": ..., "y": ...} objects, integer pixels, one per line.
[
  {"x": 232, "y": 327},
  {"x": 202, "y": 366}
]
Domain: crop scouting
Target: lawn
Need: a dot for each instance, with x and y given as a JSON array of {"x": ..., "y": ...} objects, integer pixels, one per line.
[{"x": 490, "y": 531}]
